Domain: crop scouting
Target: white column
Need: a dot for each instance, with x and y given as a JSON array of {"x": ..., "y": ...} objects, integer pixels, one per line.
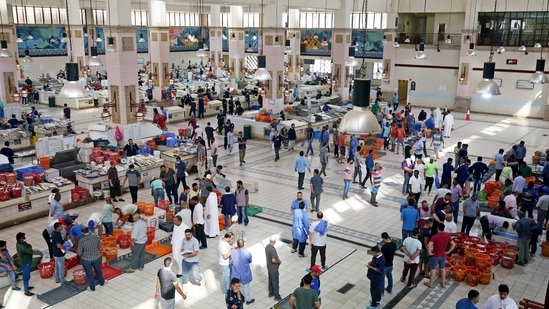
[
  {"x": 236, "y": 14},
  {"x": 215, "y": 15},
  {"x": 157, "y": 13}
]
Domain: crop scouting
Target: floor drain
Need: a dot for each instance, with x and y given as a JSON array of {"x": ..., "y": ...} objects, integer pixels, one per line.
[{"x": 346, "y": 288}]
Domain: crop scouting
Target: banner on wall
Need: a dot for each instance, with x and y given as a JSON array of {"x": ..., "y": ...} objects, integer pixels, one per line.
[
  {"x": 251, "y": 40},
  {"x": 369, "y": 44},
  {"x": 316, "y": 42},
  {"x": 45, "y": 41},
  {"x": 186, "y": 38}
]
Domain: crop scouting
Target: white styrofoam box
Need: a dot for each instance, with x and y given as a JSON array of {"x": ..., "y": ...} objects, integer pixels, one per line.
[
  {"x": 252, "y": 186},
  {"x": 51, "y": 173},
  {"x": 97, "y": 127}
]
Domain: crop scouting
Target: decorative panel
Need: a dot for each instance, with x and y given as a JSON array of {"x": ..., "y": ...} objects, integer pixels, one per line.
[
  {"x": 130, "y": 112},
  {"x": 163, "y": 37},
  {"x": 80, "y": 61},
  {"x": 78, "y": 34},
  {"x": 9, "y": 81},
  {"x": 156, "y": 72},
  {"x": 165, "y": 73},
  {"x": 339, "y": 38},
  {"x": 154, "y": 36},
  {"x": 115, "y": 96},
  {"x": 269, "y": 39},
  {"x": 240, "y": 36},
  {"x": 127, "y": 44}
]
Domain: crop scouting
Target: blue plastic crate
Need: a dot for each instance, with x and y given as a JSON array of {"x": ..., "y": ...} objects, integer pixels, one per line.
[
  {"x": 169, "y": 134},
  {"x": 172, "y": 142}
]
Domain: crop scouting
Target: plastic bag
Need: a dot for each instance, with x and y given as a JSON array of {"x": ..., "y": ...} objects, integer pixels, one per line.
[
  {"x": 437, "y": 182},
  {"x": 302, "y": 143},
  {"x": 118, "y": 134}
]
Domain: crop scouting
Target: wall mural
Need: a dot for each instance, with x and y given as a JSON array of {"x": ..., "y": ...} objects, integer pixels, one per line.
[
  {"x": 225, "y": 39},
  {"x": 316, "y": 42},
  {"x": 186, "y": 39},
  {"x": 369, "y": 44},
  {"x": 251, "y": 40},
  {"x": 45, "y": 41},
  {"x": 142, "y": 47},
  {"x": 99, "y": 32}
]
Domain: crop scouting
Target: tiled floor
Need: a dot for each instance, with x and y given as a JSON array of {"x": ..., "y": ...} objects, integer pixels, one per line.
[{"x": 355, "y": 226}]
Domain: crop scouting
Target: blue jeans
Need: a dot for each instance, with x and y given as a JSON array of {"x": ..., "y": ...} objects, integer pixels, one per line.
[
  {"x": 227, "y": 221},
  {"x": 10, "y": 273},
  {"x": 246, "y": 292},
  {"x": 478, "y": 183},
  {"x": 96, "y": 265},
  {"x": 309, "y": 147},
  {"x": 243, "y": 215},
  {"x": 225, "y": 278},
  {"x": 346, "y": 186},
  {"x": 405, "y": 185},
  {"x": 26, "y": 277},
  {"x": 187, "y": 267},
  {"x": 59, "y": 273},
  {"x": 300, "y": 179},
  {"x": 389, "y": 276},
  {"x": 376, "y": 289},
  {"x": 108, "y": 228},
  {"x": 406, "y": 233},
  {"x": 158, "y": 194}
]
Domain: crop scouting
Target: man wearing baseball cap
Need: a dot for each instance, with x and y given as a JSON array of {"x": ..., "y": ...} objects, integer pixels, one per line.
[{"x": 315, "y": 273}]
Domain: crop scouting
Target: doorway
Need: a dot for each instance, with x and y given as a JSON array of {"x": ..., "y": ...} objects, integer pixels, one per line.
[{"x": 402, "y": 92}]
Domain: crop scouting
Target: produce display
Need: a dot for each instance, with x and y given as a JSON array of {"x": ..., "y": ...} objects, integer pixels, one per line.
[
  {"x": 11, "y": 134},
  {"x": 141, "y": 163}
]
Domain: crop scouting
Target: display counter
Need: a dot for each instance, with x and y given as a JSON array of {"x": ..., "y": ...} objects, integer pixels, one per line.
[
  {"x": 30, "y": 206},
  {"x": 101, "y": 182},
  {"x": 83, "y": 103},
  {"x": 175, "y": 113},
  {"x": 18, "y": 138},
  {"x": 169, "y": 158},
  {"x": 261, "y": 130}
]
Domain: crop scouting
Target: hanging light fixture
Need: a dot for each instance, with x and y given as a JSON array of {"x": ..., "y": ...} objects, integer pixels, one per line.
[
  {"x": 254, "y": 37},
  {"x": 487, "y": 87},
  {"x": 421, "y": 55},
  {"x": 448, "y": 37},
  {"x": 4, "y": 52},
  {"x": 201, "y": 52},
  {"x": 407, "y": 40},
  {"x": 522, "y": 47},
  {"x": 471, "y": 52},
  {"x": 468, "y": 39},
  {"x": 223, "y": 36},
  {"x": 141, "y": 38},
  {"x": 384, "y": 39},
  {"x": 111, "y": 48},
  {"x": 539, "y": 77},
  {"x": 501, "y": 48},
  {"x": 276, "y": 42},
  {"x": 72, "y": 88},
  {"x": 261, "y": 74},
  {"x": 19, "y": 39},
  {"x": 30, "y": 37},
  {"x": 287, "y": 47},
  {"x": 27, "y": 57},
  {"x": 64, "y": 37},
  {"x": 233, "y": 37},
  {"x": 396, "y": 44},
  {"x": 538, "y": 44},
  {"x": 94, "y": 60},
  {"x": 249, "y": 49}
]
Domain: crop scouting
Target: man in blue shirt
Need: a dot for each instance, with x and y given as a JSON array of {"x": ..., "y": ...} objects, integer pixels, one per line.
[
  {"x": 499, "y": 163},
  {"x": 181, "y": 167},
  {"x": 376, "y": 271},
  {"x": 299, "y": 199},
  {"x": 519, "y": 182},
  {"x": 520, "y": 153},
  {"x": 478, "y": 169},
  {"x": 58, "y": 253},
  {"x": 409, "y": 217},
  {"x": 301, "y": 164},
  {"x": 369, "y": 162},
  {"x": 131, "y": 149},
  {"x": 470, "y": 301}
]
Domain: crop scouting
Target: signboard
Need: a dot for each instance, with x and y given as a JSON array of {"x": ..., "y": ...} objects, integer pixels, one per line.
[
  {"x": 24, "y": 206},
  {"x": 524, "y": 84},
  {"x": 512, "y": 61}
]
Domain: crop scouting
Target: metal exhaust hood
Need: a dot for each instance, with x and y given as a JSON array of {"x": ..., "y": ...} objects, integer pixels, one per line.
[{"x": 360, "y": 120}]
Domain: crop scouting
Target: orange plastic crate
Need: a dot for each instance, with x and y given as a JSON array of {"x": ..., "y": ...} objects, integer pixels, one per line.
[{"x": 158, "y": 249}]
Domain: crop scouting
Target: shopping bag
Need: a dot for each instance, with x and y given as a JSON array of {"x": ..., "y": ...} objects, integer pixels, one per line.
[
  {"x": 302, "y": 143},
  {"x": 437, "y": 182}
]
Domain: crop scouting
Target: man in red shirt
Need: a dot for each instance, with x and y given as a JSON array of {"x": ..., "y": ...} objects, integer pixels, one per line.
[
  {"x": 438, "y": 249},
  {"x": 400, "y": 135}
]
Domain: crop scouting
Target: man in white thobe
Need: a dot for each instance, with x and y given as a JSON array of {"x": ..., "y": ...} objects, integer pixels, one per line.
[
  {"x": 211, "y": 216},
  {"x": 177, "y": 240},
  {"x": 448, "y": 124},
  {"x": 437, "y": 117}
]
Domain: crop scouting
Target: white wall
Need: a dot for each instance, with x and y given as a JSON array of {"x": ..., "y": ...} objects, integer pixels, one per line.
[{"x": 434, "y": 87}]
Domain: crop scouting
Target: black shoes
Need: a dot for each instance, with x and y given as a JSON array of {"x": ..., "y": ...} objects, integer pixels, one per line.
[{"x": 250, "y": 302}]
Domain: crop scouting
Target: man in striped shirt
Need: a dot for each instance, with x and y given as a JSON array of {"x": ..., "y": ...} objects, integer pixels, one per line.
[{"x": 375, "y": 179}]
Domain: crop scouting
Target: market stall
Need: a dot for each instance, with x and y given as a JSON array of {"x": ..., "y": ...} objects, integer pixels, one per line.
[
  {"x": 94, "y": 177},
  {"x": 28, "y": 199},
  {"x": 186, "y": 152},
  {"x": 18, "y": 138}
]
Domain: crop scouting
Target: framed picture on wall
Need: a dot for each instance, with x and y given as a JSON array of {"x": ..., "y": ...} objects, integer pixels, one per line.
[
  {"x": 497, "y": 81},
  {"x": 524, "y": 84}
]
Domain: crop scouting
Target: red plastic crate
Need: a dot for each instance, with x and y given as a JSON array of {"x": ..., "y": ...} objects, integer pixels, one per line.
[
  {"x": 109, "y": 272},
  {"x": 158, "y": 249}
]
